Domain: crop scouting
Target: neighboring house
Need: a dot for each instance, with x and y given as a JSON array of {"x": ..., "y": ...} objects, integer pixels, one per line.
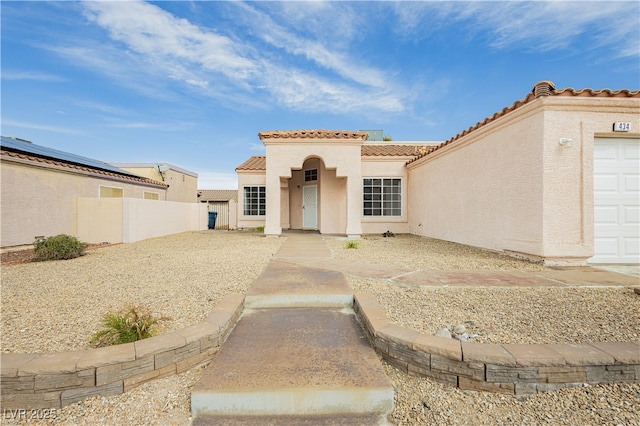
[
  {"x": 182, "y": 184},
  {"x": 553, "y": 177},
  {"x": 224, "y": 203},
  {"x": 47, "y": 192}
]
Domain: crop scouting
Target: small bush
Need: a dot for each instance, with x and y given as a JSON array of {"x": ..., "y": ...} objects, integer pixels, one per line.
[
  {"x": 260, "y": 229},
  {"x": 351, "y": 245},
  {"x": 129, "y": 325},
  {"x": 58, "y": 247}
]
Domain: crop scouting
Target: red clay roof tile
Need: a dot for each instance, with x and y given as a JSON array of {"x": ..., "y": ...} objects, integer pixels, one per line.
[
  {"x": 217, "y": 194},
  {"x": 312, "y": 134},
  {"x": 393, "y": 150},
  {"x": 80, "y": 168},
  {"x": 256, "y": 162},
  {"x": 541, "y": 89}
]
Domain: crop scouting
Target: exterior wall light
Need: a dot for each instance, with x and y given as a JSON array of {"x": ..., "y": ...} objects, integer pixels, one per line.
[{"x": 565, "y": 142}]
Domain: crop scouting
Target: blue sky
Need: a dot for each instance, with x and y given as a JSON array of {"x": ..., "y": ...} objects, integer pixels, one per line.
[{"x": 192, "y": 82}]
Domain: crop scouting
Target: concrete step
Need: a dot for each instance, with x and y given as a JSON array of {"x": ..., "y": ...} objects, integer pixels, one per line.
[
  {"x": 284, "y": 284},
  {"x": 320, "y": 420},
  {"x": 294, "y": 362},
  {"x": 303, "y": 246}
]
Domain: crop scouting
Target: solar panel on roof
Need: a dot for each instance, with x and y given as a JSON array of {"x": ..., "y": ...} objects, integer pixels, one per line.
[{"x": 21, "y": 145}]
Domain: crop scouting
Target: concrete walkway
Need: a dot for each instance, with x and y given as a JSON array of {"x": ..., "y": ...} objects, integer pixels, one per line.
[{"x": 298, "y": 356}]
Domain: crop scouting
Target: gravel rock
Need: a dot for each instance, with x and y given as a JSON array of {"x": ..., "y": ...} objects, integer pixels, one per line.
[
  {"x": 513, "y": 315},
  {"x": 443, "y": 332},
  {"x": 57, "y": 305},
  {"x": 428, "y": 254},
  {"x": 53, "y": 306},
  {"x": 459, "y": 329}
]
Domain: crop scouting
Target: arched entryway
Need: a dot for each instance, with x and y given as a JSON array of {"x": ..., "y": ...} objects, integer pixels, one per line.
[{"x": 317, "y": 198}]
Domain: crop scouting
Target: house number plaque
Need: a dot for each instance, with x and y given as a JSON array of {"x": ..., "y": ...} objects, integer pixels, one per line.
[{"x": 621, "y": 127}]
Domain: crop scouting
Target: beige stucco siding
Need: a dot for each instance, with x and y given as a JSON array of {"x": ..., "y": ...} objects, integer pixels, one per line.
[
  {"x": 183, "y": 187},
  {"x": 332, "y": 218},
  {"x": 41, "y": 201},
  {"x": 485, "y": 190},
  {"x": 510, "y": 185},
  {"x": 387, "y": 167},
  {"x": 341, "y": 156},
  {"x": 249, "y": 179},
  {"x": 127, "y": 220},
  {"x": 568, "y": 172}
]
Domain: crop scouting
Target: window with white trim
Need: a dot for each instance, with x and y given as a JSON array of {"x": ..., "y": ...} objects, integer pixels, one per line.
[
  {"x": 382, "y": 196},
  {"x": 151, "y": 195},
  {"x": 255, "y": 200}
]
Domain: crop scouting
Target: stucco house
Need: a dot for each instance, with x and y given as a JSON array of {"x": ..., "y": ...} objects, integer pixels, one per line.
[
  {"x": 182, "y": 183},
  {"x": 46, "y": 192},
  {"x": 553, "y": 177}
]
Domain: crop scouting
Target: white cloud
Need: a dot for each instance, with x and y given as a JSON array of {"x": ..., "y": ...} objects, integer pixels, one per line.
[
  {"x": 169, "y": 41},
  {"x": 308, "y": 92},
  {"x": 30, "y": 75},
  {"x": 163, "y": 46},
  {"x": 538, "y": 25},
  {"x": 37, "y": 126},
  {"x": 331, "y": 58}
]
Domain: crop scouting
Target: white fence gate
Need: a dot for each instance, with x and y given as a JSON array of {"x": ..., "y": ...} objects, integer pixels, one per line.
[{"x": 222, "y": 208}]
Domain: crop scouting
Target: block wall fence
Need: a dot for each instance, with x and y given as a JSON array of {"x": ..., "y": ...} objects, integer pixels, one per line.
[
  {"x": 515, "y": 369},
  {"x": 32, "y": 381}
]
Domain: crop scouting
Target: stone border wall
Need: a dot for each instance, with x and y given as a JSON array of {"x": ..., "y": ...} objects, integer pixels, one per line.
[
  {"x": 32, "y": 381},
  {"x": 515, "y": 369}
]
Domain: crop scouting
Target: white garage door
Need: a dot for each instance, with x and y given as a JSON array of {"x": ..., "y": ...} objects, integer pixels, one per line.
[{"x": 616, "y": 182}]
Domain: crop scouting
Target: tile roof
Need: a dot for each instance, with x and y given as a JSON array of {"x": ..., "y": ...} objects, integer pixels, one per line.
[
  {"x": 541, "y": 89},
  {"x": 80, "y": 168},
  {"x": 393, "y": 150},
  {"x": 259, "y": 162},
  {"x": 256, "y": 162},
  {"x": 27, "y": 147},
  {"x": 217, "y": 194},
  {"x": 313, "y": 134}
]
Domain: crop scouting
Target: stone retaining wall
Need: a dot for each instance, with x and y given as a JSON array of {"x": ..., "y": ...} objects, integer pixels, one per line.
[
  {"x": 515, "y": 369},
  {"x": 31, "y": 381}
]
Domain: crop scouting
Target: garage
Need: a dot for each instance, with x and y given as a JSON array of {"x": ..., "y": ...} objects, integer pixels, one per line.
[{"x": 616, "y": 184}]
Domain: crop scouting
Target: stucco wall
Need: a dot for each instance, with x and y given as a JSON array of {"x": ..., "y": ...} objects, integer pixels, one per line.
[
  {"x": 249, "y": 179},
  {"x": 387, "y": 167},
  {"x": 509, "y": 185},
  {"x": 183, "y": 187},
  {"x": 343, "y": 156},
  {"x": 332, "y": 218},
  {"x": 100, "y": 220},
  {"x": 127, "y": 220},
  {"x": 568, "y": 172},
  {"x": 41, "y": 201},
  {"x": 331, "y": 208}
]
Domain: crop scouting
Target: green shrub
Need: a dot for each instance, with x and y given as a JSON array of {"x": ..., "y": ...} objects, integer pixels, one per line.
[
  {"x": 131, "y": 324},
  {"x": 260, "y": 229},
  {"x": 58, "y": 247},
  {"x": 351, "y": 245}
]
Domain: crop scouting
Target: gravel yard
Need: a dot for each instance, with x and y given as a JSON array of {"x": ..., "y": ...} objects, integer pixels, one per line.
[
  {"x": 496, "y": 315},
  {"x": 54, "y": 306},
  {"x": 57, "y": 306}
]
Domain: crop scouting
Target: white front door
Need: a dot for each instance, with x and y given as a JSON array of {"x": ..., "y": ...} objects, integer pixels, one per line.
[
  {"x": 616, "y": 214},
  {"x": 310, "y": 207}
]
